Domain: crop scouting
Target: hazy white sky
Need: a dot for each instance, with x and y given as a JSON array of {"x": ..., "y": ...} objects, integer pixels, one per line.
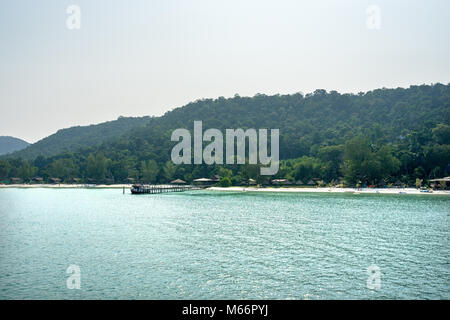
[{"x": 135, "y": 58}]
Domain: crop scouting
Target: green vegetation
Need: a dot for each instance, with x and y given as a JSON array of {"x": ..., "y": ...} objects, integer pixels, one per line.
[
  {"x": 382, "y": 137},
  {"x": 74, "y": 138},
  {"x": 225, "y": 182}
]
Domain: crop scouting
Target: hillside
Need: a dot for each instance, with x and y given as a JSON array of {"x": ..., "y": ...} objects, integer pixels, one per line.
[
  {"x": 11, "y": 144},
  {"x": 74, "y": 138},
  {"x": 305, "y": 122},
  {"x": 378, "y": 137}
]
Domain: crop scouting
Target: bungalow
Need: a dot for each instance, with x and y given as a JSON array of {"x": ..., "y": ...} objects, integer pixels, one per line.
[
  {"x": 442, "y": 183},
  {"x": 37, "y": 180},
  {"x": 281, "y": 182},
  {"x": 204, "y": 181},
  {"x": 54, "y": 180},
  {"x": 75, "y": 180},
  {"x": 398, "y": 184},
  {"x": 177, "y": 181},
  {"x": 16, "y": 180},
  {"x": 129, "y": 180}
]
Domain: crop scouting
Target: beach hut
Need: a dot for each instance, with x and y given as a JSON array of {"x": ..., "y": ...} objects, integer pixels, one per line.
[
  {"x": 16, "y": 180},
  {"x": 37, "y": 180},
  {"x": 279, "y": 181},
  {"x": 177, "y": 181},
  {"x": 299, "y": 182},
  {"x": 129, "y": 180},
  {"x": 440, "y": 183},
  {"x": 54, "y": 180},
  {"x": 398, "y": 184},
  {"x": 109, "y": 181},
  {"x": 204, "y": 181},
  {"x": 311, "y": 183}
]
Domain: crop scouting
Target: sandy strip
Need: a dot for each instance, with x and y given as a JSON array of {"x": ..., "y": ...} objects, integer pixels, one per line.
[
  {"x": 63, "y": 185},
  {"x": 246, "y": 189},
  {"x": 334, "y": 190}
]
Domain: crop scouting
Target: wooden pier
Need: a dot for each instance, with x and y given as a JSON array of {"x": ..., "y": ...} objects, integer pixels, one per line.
[{"x": 153, "y": 189}]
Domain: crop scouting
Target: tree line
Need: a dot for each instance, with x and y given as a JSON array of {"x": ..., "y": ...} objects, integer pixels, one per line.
[{"x": 381, "y": 137}]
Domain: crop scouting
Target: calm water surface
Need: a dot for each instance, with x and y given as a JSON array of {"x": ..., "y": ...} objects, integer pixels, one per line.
[{"x": 212, "y": 245}]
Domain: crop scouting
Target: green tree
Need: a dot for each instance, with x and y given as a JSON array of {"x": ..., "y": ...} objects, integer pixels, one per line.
[
  {"x": 225, "y": 182},
  {"x": 418, "y": 183},
  {"x": 149, "y": 171},
  {"x": 363, "y": 164},
  {"x": 441, "y": 133},
  {"x": 307, "y": 168},
  {"x": 169, "y": 170},
  {"x": 26, "y": 171},
  {"x": 97, "y": 166},
  {"x": 5, "y": 168},
  {"x": 63, "y": 169}
]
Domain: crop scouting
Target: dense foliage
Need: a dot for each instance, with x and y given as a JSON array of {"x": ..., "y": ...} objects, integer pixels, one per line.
[
  {"x": 380, "y": 137},
  {"x": 74, "y": 138}
]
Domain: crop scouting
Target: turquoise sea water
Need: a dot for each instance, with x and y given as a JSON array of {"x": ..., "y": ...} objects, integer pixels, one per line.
[{"x": 222, "y": 245}]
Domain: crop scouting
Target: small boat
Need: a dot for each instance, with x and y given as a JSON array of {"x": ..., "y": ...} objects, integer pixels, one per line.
[{"x": 138, "y": 189}]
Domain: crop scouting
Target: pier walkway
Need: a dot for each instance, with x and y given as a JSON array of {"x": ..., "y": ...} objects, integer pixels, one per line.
[{"x": 152, "y": 189}]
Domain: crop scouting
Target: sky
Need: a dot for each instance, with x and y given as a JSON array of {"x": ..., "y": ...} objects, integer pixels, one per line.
[{"x": 146, "y": 57}]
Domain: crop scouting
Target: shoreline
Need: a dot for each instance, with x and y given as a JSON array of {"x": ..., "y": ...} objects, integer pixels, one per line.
[
  {"x": 245, "y": 189},
  {"x": 65, "y": 186},
  {"x": 334, "y": 190}
]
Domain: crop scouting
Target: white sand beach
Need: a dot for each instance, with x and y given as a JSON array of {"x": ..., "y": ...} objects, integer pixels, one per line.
[
  {"x": 335, "y": 190},
  {"x": 247, "y": 189},
  {"x": 63, "y": 185}
]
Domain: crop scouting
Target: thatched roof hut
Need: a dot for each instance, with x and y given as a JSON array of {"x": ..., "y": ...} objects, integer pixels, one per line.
[
  {"x": 54, "y": 180},
  {"x": 177, "y": 181},
  {"x": 204, "y": 181},
  {"x": 446, "y": 179},
  {"x": 279, "y": 181}
]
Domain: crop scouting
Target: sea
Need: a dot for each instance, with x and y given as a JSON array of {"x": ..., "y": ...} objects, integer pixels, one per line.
[{"x": 103, "y": 244}]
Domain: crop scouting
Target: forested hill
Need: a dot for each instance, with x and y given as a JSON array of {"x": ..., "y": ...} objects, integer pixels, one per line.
[
  {"x": 306, "y": 122},
  {"x": 74, "y": 138},
  {"x": 380, "y": 136},
  {"x": 11, "y": 144}
]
